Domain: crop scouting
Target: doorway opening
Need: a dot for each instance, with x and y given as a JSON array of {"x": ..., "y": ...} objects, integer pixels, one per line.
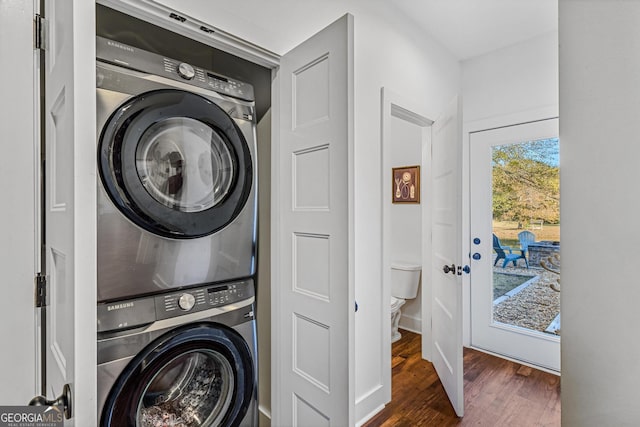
[
  {"x": 406, "y": 147},
  {"x": 515, "y": 235}
]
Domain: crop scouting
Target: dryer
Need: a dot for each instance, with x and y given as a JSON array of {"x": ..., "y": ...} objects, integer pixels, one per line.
[
  {"x": 182, "y": 358},
  {"x": 177, "y": 191}
]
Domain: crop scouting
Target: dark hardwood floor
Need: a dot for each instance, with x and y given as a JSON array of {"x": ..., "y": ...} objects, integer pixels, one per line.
[{"x": 497, "y": 392}]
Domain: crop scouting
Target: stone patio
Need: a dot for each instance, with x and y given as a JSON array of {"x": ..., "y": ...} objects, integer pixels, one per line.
[{"x": 535, "y": 307}]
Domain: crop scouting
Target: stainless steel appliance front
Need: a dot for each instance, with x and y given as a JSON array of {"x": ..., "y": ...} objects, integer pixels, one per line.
[
  {"x": 182, "y": 358},
  {"x": 177, "y": 188}
]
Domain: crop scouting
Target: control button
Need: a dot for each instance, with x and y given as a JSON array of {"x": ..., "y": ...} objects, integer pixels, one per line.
[
  {"x": 186, "y": 71},
  {"x": 186, "y": 302}
]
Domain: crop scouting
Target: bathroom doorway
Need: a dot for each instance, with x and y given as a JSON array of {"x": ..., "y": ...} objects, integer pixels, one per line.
[
  {"x": 406, "y": 144},
  {"x": 433, "y": 223}
]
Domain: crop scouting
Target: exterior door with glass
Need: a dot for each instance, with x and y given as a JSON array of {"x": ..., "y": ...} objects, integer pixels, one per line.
[{"x": 515, "y": 301}]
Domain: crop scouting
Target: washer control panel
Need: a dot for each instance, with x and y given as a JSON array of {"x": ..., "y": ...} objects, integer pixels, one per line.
[
  {"x": 194, "y": 300},
  {"x": 133, "y": 58},
  {"x": 186, "y": 71},
  {"x": 137, "y": 312},
  {"x": 186, "y": 301}
]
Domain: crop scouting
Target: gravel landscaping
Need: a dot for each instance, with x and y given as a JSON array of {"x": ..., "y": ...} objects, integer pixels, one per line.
[{"x": 535, "y": 307}]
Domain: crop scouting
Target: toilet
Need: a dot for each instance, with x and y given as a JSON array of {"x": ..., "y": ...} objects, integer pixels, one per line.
[{"x": 405, "y": 279}]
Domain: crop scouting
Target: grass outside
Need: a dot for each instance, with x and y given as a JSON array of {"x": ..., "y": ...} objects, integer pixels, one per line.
[
  {"x": 507, "y": 232},
  {"x": 504, "y": 282}
]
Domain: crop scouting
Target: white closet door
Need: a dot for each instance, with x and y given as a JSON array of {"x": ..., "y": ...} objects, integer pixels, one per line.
[
  {"x": 313, "y": 287},
  {"x": 70, "y": 207},
  {"x": 19, "y": 216}
]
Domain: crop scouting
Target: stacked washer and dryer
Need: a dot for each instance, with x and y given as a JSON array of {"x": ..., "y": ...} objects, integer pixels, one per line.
[{"x": 176, "y": 243}]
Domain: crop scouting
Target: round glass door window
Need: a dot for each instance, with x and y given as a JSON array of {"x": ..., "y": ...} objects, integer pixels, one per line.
[
  {"x": 200, "y": 374},
  {"x": 194, "y": 389},
  {"x": 184, "y": 164},
  {"x": 175, "y": 163}
]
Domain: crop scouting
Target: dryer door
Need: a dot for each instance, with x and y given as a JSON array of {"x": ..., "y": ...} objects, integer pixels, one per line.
[
  {"x": 175, "y": 163},
  {"x": 197, "y": 375}
]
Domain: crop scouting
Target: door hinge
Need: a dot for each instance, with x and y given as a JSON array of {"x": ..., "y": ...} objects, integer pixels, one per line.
[
  {"x": 40, "y": 25},
  {"x": 41, "y": 290}
]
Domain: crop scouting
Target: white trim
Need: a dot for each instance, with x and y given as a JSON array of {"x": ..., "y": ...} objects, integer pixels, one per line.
[
  {"x": 276, "y": 215},
  {"x": 411, "y": 324},
  {"x": 427, "y": 245},
  {"x": 369, "y": 393},
  {"x": 351, "y": 215},
  {"x": 369, "y": 403},
  {"x": 534, "y": 114},
  {"x": 520, "y": 362},
  {"x": 369, "y": 416},
  {"x": 158, "y": 14},
  {"x": 85, "y": 216},
  {"x": 266, "y": 412}
]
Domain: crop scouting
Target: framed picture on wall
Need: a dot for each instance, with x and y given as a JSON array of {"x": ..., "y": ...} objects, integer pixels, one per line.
[{"x": 406, "y": 184}]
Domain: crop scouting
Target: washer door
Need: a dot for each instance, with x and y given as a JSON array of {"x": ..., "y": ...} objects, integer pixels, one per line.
[
  {"x": 197, "y": 375},
  {"x": 175, "y": 163}
]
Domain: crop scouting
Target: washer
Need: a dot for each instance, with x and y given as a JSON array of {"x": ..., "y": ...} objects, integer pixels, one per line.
[
  {"x": 177, "y": 164},
  {"x": 183, "y": 358}
]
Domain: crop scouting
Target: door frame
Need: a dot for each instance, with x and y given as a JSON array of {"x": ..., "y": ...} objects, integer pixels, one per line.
[
  {"x": 155, "y": 13},
  {"x": 526, "y": 345},
  {"x": 158, "y": 14},
  {"x": 394, "y": 105},
  {"x": 469, "y": 128}
]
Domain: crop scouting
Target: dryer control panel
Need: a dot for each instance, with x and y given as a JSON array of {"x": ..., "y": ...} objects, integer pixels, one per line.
[
  {"x": 133, "y": 58},
  {"x": 143, "y": 311}
]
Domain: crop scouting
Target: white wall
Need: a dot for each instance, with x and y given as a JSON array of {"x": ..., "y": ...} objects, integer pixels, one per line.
[
  {"x": 599, "y": 110},
  {"x": 513, "y": 85},
  {"x": 405, "y": 219},
  {"x": 389, "y": 52},
  {"x": 516, "y": 79}
]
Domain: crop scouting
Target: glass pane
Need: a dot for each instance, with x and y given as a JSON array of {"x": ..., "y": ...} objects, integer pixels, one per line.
[
  {"x": 184, "y": 164},
  {"x": 526, "y": 228},
  {"x": 194, "y": 389}
]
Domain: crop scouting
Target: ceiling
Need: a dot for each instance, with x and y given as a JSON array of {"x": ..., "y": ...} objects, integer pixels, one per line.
[
  {"x": 466, "y": 28},
  {"x": 469, "y": 28}
]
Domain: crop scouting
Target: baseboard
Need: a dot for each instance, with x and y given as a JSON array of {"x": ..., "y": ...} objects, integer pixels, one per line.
[
  {"x": 264, "y": 416},
  {"x": 370, "y": 415},
  {"x": 369, "y": 404},
  {"x": 410, "y": 323}
]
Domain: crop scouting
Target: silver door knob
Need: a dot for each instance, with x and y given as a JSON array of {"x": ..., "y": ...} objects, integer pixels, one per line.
[{"x": 63, "y": 400}]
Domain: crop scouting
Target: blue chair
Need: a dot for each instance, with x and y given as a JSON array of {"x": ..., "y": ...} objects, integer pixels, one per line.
[
  {"x": 526, "y": 237},
  {"x": 507, "y": 257}
]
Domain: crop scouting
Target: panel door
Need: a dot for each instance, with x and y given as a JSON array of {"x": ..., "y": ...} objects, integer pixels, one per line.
[
  {"x": 19, "y": 252},
  {"x": 70, "y": 205},
  {"x": 313, "y": 295},
  {"x": 446, "y": 227}
]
